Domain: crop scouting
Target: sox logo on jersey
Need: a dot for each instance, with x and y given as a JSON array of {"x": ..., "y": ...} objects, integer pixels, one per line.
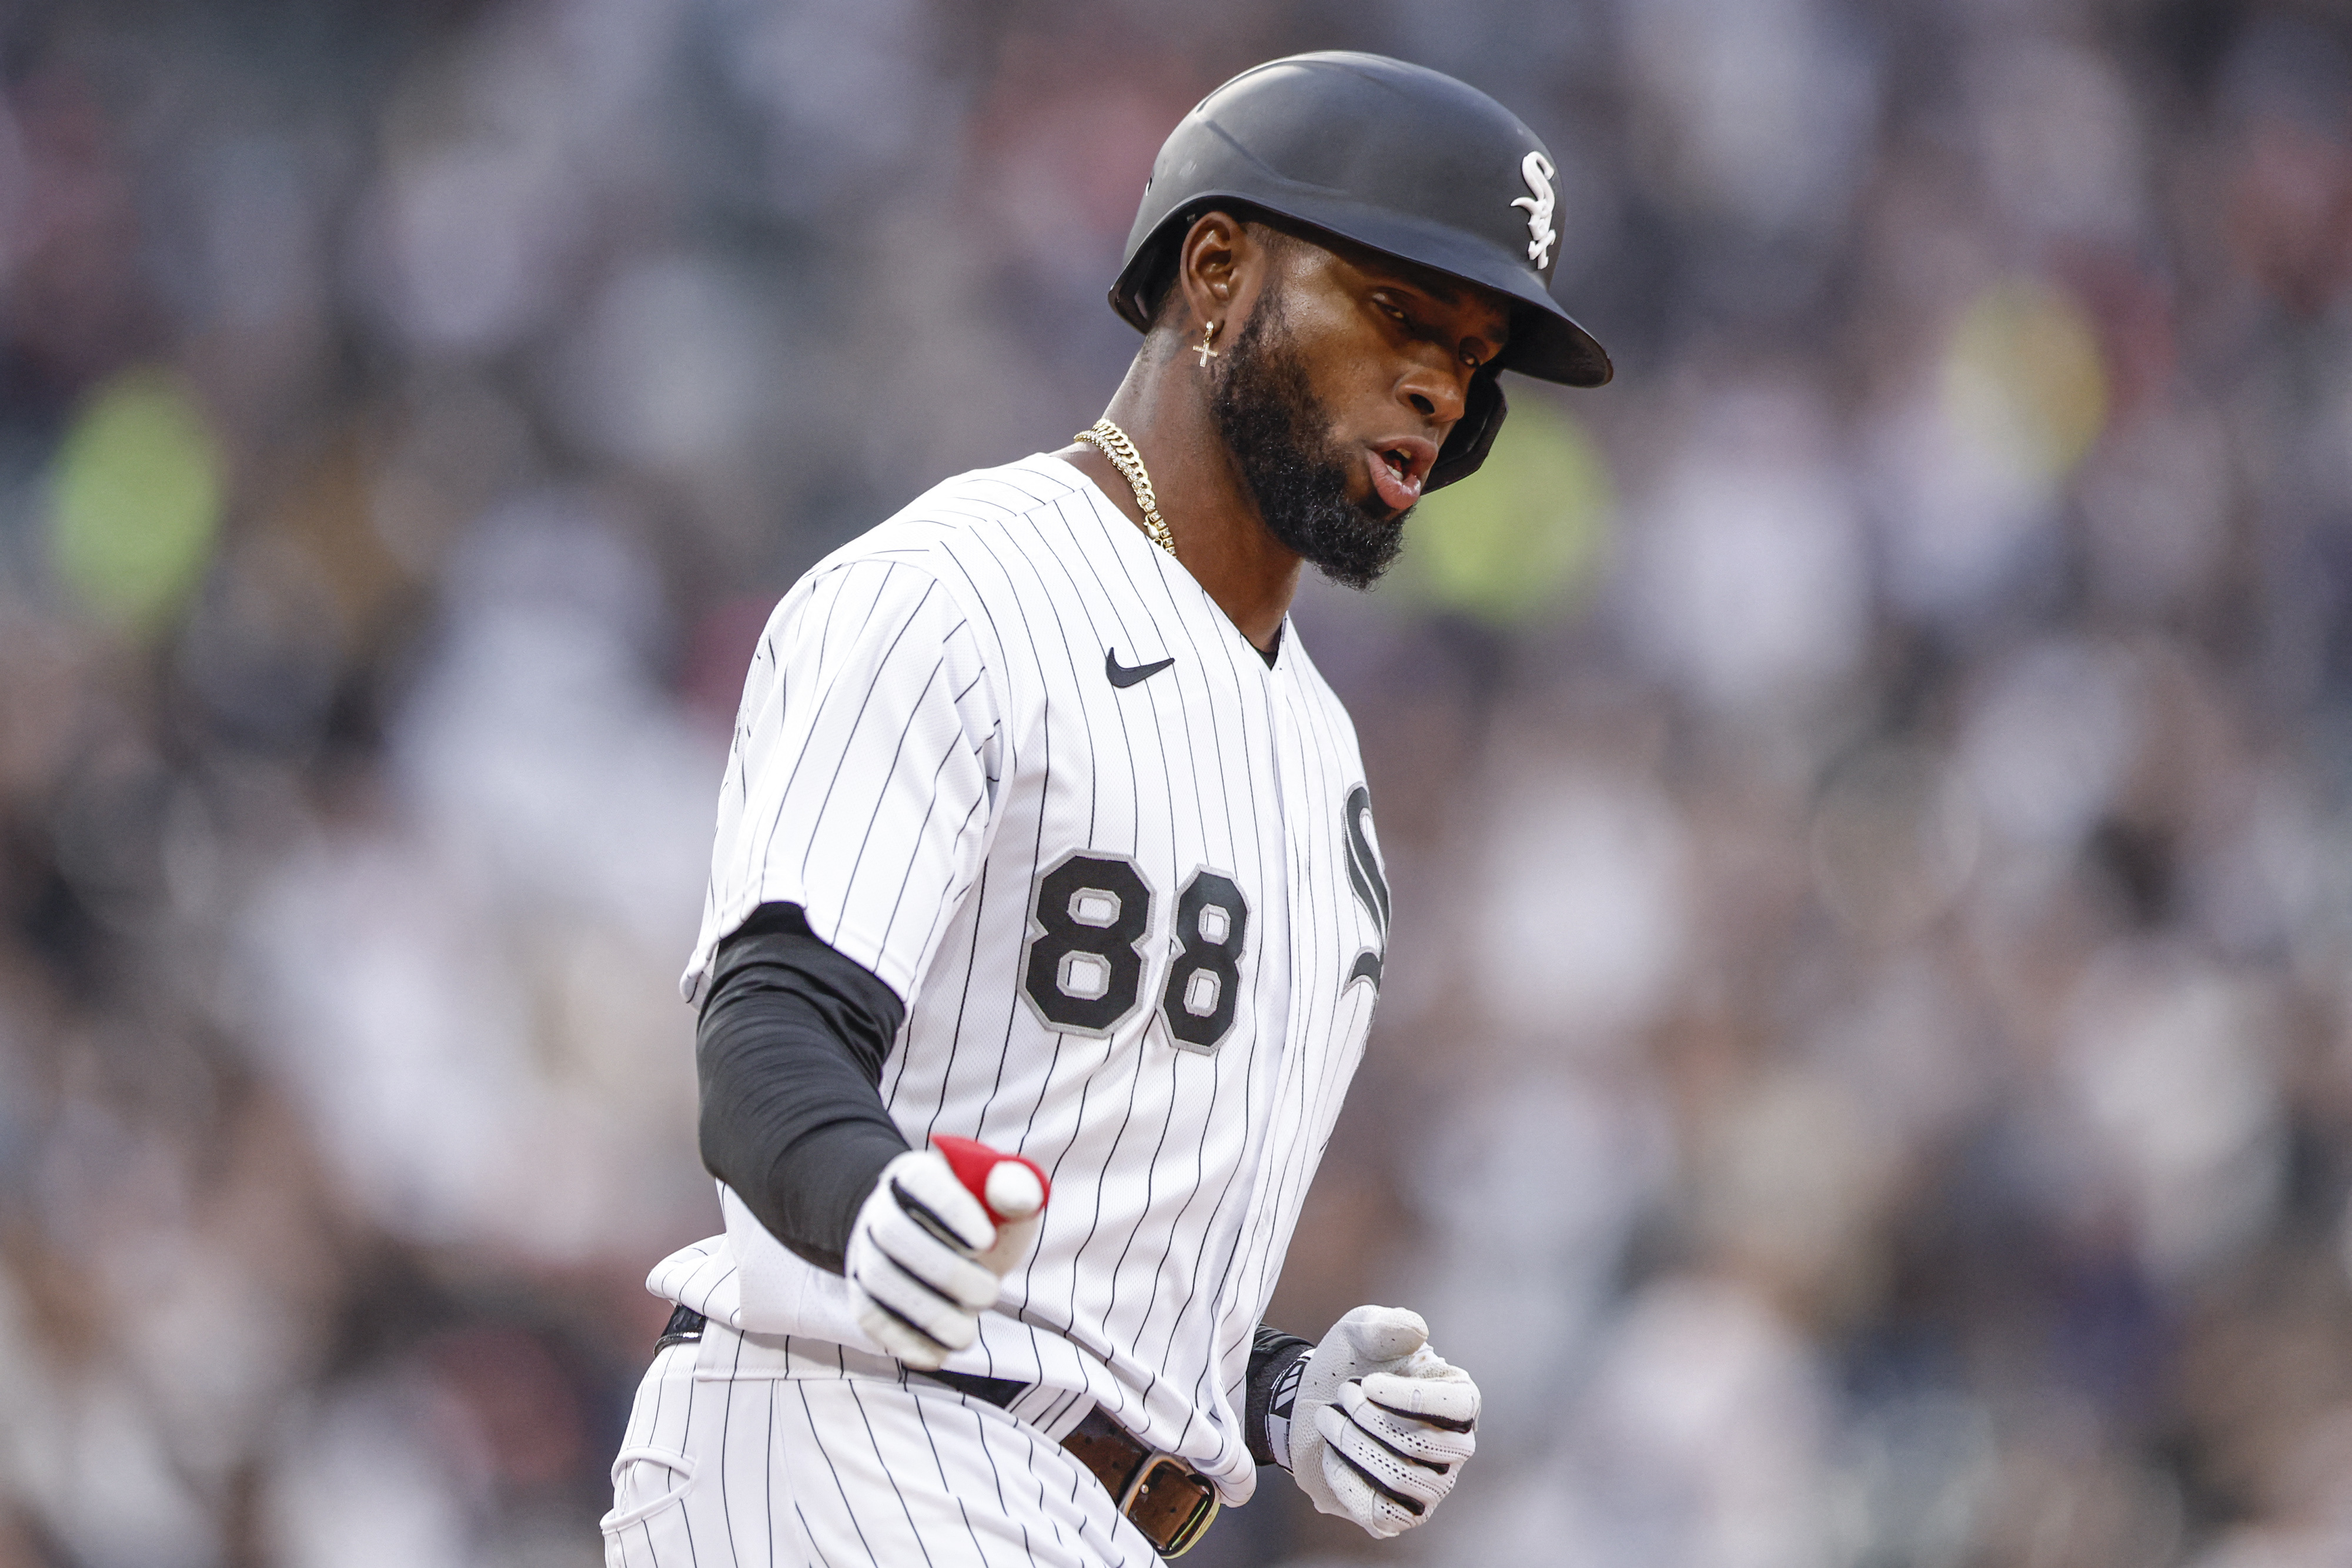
[{"x": 1011, "y": 758}]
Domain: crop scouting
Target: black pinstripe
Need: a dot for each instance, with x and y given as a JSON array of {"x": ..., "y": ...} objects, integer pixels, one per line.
[{"x": 850, "y": 1510}]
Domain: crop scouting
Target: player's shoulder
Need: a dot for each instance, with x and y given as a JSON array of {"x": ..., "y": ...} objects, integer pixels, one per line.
[{"x": 978, "y": 512}]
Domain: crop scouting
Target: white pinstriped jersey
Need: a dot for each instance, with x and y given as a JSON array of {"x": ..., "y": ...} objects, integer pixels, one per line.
[{"x": 1008, "y": 754}]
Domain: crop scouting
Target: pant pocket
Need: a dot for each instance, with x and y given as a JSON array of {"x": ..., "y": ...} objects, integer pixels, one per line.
[{"x": 646, "y": 1483}]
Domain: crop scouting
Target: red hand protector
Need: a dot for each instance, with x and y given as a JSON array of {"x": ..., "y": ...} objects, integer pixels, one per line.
[{"x": 1001, "y": 1181}]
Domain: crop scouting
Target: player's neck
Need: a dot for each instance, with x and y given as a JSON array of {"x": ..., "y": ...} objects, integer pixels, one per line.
[{"x": 1208, "y": 508}]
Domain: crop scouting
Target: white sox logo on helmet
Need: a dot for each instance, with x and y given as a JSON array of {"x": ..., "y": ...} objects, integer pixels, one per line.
[{"x": 1537, "y": 171}]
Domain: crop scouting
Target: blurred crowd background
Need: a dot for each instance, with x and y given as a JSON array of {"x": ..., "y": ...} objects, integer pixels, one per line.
[{"x": 1865, "y": 1076}]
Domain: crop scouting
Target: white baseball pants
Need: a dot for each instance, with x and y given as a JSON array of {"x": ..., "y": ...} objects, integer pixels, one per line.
[{"x": 768, "y": 1461}]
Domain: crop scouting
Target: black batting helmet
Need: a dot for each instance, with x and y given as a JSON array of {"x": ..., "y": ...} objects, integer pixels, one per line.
[{"x": 1397, "y": 157}]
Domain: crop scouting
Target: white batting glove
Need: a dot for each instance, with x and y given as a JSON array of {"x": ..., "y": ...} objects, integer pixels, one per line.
[
  {"x": 1382, "y": 1425},
  {"x": 924, "y": 1258}
]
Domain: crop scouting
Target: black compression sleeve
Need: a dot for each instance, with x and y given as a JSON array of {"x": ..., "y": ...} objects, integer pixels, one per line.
[
  {"x": 790, "y": 1052},
  {"x": 1271, "y": 1356}
]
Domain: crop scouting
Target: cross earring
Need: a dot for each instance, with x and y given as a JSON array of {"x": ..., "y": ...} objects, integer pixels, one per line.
[{"x": 1208, "y": 335}]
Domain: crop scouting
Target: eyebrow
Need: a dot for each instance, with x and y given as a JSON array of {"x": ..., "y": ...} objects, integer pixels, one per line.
[{"x": 1440, "y": 288}]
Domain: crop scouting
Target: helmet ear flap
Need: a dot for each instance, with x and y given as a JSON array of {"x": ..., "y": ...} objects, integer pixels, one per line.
[{"x": 1473, "y": 433}]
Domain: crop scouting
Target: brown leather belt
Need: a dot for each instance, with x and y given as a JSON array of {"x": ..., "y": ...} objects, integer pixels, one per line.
[{"x": 1164, "y": 1497}]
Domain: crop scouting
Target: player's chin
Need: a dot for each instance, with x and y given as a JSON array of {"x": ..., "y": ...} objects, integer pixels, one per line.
[{"x": 1359, "y": 553}]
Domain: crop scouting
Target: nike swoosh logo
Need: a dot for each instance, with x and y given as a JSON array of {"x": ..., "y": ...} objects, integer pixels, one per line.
[{"x": 1124, "y": 675}]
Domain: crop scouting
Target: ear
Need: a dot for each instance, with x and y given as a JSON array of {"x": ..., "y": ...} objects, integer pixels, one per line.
[{"x": 1218, "y": 256}]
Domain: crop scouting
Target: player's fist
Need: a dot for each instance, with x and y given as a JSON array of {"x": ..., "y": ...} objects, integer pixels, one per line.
[
  {"x": 1382, "y": 1424},
  {"x": 941, "y": 1229}
]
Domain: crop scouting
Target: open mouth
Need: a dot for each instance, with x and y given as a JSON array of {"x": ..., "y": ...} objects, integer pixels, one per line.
[{"x": 1397, "y": 473}]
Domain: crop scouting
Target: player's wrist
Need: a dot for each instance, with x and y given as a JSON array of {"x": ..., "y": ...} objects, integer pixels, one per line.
[
  {"x": 858, "y": 1156},
  {"x": 1282, "y": 1408},
  {"x": 1276, "y": 1361}
]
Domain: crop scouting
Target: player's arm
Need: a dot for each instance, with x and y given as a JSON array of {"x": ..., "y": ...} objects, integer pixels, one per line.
[
  {"x": 1373, "y": 1424},
  {"x": 789, "y": 1053},
  {"x": 854, "y": 821}
]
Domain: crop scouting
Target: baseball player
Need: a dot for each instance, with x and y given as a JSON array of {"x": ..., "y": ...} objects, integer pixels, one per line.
[{"x": 1046, "y": 917}]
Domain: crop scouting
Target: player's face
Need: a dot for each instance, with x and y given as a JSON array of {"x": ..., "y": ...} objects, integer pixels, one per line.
[
  {"x": 1338, "y": 392},
  {"x": 1391, "y": 349}
]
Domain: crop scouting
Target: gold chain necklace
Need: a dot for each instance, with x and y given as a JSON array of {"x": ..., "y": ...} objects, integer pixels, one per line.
[{"x": 1112, "y": 443}]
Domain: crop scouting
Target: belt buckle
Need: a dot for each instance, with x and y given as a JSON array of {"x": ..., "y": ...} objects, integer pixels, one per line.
[{"x": 1195, "y": 1524}]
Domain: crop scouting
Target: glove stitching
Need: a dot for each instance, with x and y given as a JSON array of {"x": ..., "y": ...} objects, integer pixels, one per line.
[
  {"x": 1392, "y": 1447},
  {"x": 1402, "y": 1501}
]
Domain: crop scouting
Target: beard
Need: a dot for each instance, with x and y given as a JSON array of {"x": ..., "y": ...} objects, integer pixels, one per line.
[{"x": 1279, "y": 432}]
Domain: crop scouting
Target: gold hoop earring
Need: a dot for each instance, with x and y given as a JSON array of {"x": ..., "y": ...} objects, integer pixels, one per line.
[{"x": 1208, "y": 335}]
